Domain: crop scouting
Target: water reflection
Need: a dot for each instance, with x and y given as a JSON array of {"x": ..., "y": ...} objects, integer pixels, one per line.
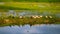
[{"x": 27, "y": 29}]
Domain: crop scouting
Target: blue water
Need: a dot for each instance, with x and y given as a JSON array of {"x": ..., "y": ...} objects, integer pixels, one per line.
[{"x": 27, "y": 29}]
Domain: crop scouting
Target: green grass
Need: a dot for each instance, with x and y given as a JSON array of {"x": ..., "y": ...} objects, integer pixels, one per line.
[
  {"x": 30, "y": 6},
  {"x": 30, "y": 0},
  {"x": 13, "y": 8}
]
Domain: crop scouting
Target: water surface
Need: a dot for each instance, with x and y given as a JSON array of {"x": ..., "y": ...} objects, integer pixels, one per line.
[{"x": 27, "y": 29}]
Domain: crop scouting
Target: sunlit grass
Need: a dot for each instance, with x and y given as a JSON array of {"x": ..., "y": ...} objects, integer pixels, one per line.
[{"x": 32, "y": 5}]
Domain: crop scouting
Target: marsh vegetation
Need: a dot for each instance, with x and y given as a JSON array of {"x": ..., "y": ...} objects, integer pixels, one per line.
[{"x": 23, "y": 17}]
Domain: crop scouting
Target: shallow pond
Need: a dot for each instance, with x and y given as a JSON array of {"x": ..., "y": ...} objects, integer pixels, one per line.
[{"x": 27, "y": 29}]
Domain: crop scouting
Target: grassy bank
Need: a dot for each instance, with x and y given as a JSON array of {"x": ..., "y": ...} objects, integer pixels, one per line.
[
  {"x": 51, "y": 6},
  {"x": 28, "y": 20}
]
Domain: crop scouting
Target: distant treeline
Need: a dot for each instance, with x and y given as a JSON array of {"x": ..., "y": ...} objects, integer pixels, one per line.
[{"x": 30, "y": 0}]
